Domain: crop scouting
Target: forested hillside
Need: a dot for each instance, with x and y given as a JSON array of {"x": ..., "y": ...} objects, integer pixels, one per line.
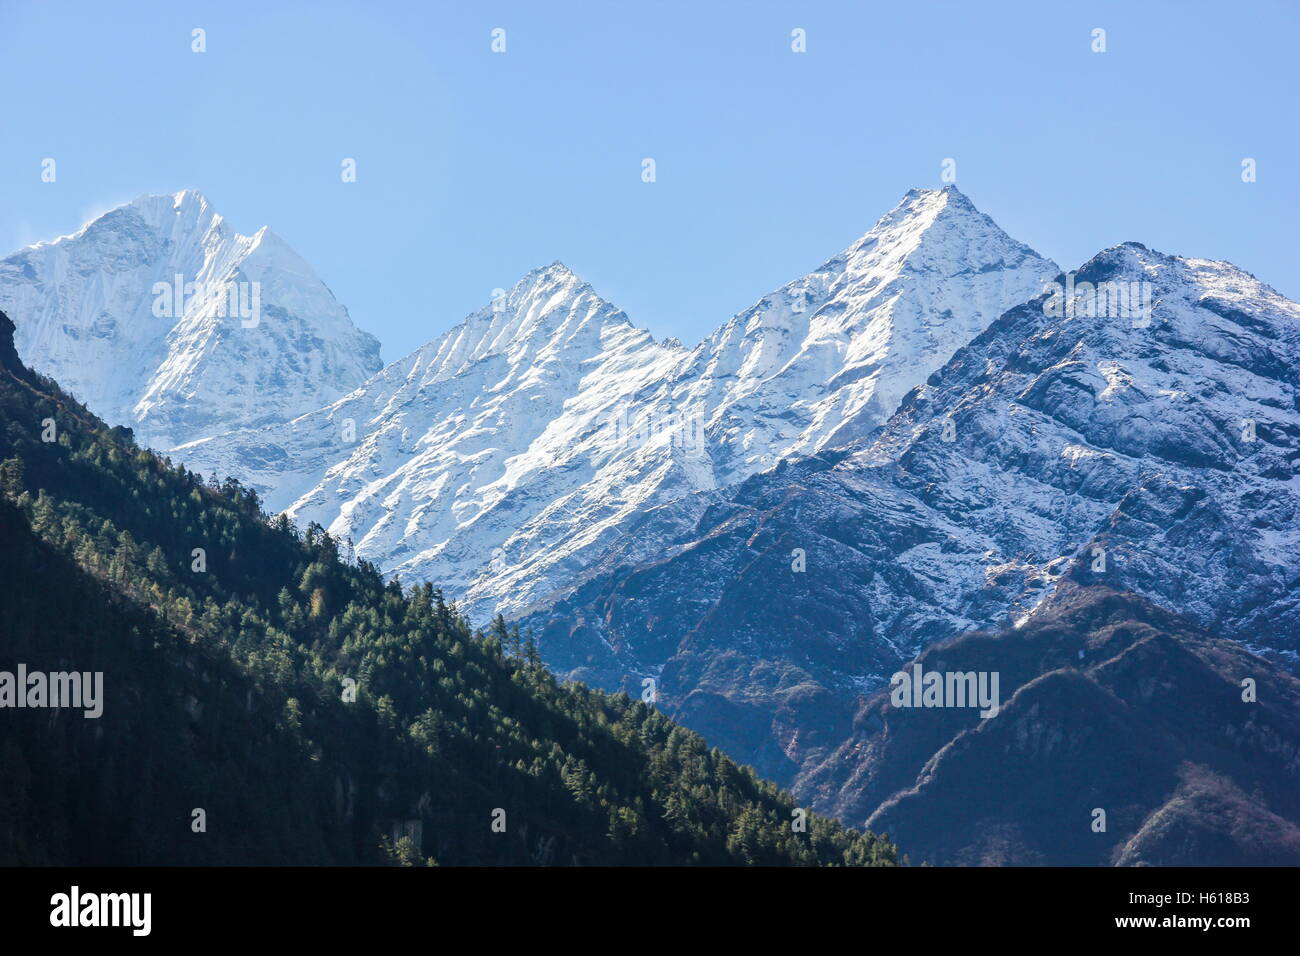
[{"x": 231, "y": 645}]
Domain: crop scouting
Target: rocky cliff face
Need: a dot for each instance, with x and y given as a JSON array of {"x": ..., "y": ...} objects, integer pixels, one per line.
[{"x": 8, "y": 352}]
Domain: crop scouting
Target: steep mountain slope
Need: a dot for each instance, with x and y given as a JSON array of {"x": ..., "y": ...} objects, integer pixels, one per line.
[
  {"x": 828, "y": 357},
  {"x": 227, "y": 733},
  {"x": 432, "y": 465},
  {"x": 508, "y": 456},
  {"x": 1107, "y": 703},
  {"x": 104, "y": 313},
  {"x": 1159, "y": 450}
]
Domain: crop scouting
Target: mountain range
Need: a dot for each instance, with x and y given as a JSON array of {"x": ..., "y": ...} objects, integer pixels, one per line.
[
  {"x": 514, "y": 451},
  {"x": 275, "y": 704},
  {"x": 1159, "y": 454},
  {"x": 937, "y": 436}
]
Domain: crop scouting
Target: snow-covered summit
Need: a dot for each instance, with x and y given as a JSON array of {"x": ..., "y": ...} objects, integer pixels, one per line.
[
  {"x": 504, "y": 457},
  {"x": 827, "y": 357},
  {"x": 1136, "y": 424},
  {"x": 160, "y": 316}
]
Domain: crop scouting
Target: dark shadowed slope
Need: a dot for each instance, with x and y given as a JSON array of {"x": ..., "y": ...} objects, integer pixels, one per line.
[
  {"x": 224, "y": 691},
  {"x": 1107, "y": 703}
]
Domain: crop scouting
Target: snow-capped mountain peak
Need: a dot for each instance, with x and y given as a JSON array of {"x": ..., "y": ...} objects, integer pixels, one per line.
[
  {"x": 438, "y": 458},
  {"x": 1134, "y": 424},
  {"x": 160, "y": 316},
  {"x": 549, "y": 308},
  {"x": 827, "y": 357},
  {"x": 503, "y": 458}
]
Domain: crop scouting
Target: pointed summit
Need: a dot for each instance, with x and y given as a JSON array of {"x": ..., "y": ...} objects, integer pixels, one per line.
[
  {"x": 920, "y": 198},
  {"x": 926, "y": 192},
  {"x": 183, "y": 202},
  {"x": 559, "y": 269},
  {"x": 189, "y": 197},
  {"x": 175, "y": 215},
  {"x": 549, "y": 308},
  {"x": 103, "y": 313},
  {"x": 949, "y": 226},
  {"x": 554, "y": 270},
  {"x": 827, "y": 358},
  {"x": 554, "y": 275}
]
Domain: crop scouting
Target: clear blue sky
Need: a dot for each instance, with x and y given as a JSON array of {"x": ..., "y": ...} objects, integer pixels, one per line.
[{"x": 474, "y": 167}]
